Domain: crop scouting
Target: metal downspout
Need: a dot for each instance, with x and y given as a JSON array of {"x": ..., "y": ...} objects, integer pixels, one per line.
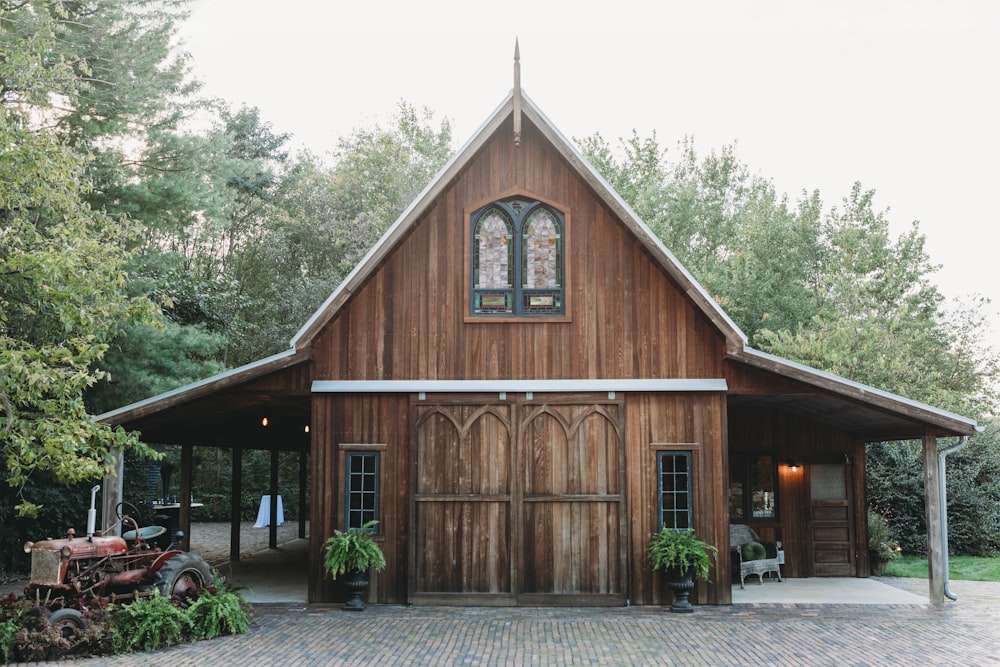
[{"x": 943, "y": 452}]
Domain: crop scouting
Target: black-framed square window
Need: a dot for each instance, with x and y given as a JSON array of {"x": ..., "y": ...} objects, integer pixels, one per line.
[
  {"x": 673, "y": 485},
  {"x": 361, "y": 488}
]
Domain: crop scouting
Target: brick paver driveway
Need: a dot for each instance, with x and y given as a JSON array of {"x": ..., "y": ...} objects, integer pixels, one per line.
[{"x": 962, "y": 633}]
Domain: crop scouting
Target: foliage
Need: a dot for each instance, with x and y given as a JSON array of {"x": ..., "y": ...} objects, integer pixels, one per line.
[
  {"x": 353, "y": 550},
  {"x": 844, "y": 295},
  {"x": 882, "y": 548},
  {"x": 217, "y": 612},
  {"x": 62, "y": 506},
  {"x": 150, "y": 623},
  {"x": 62, "y": 295},
  {"x": 754, "y": 551},
  {"x": 895, "y": 489},
  {"x": 670, "y": 548},
  {"x": 26, "y": 636}
]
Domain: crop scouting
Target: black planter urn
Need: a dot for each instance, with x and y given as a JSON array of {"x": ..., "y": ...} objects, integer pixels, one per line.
[
  {"x": 356, "y": 583},
  {"x": 681, "y": 582}
]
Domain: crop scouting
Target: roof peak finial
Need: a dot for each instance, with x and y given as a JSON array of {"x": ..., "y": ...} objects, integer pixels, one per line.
[{"x": 517, "y": 93}]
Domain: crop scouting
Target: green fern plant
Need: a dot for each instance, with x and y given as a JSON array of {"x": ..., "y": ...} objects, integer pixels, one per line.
[
  {"x": 148, "y": 624},
  {"x": 353, "y": 550},
  {"x": 680, "y": 549},
  {"x": 217, "y": 612}
]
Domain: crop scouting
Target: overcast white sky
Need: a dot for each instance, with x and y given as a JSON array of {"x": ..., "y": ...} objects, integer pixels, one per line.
[{"x": 903, "y": 96}]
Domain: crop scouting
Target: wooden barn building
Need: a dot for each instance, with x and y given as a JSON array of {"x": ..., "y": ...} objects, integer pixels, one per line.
[{"x": 521, "y": 384}]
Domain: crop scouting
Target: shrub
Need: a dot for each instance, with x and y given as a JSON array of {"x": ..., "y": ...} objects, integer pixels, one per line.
[
  {"x": 895, "y": 488},
  {"x": 217, "y": 612},
  {"x": 680, "y": 549},
  {"x": 149, "y": 623},
  {"x": 882, "y": 548},
  {"x": 353, "y": 550}
]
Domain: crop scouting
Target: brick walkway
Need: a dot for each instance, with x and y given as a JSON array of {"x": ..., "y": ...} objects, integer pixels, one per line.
[
  {"x": 300, "y": 635},
  {"x": 963, "y": 633}
]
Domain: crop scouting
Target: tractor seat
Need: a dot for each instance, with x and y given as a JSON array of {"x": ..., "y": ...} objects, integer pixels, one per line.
[{"x": 146, "y": 533}]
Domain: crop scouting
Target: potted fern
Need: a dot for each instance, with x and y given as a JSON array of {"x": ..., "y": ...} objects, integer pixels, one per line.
[
  {"x": 682, "y": 557},
  {"x": 352, "y": 553}
]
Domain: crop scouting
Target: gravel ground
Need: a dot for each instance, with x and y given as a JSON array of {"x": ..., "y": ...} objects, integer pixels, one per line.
[{"x": 211, "y": 540}]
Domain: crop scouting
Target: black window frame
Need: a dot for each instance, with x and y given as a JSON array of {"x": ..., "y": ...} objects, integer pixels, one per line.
[
  {"x": 662, "y": 493},
  {"x": 518, "y": 211},
  {"x": 742, "y": 469},
  {"x": 357, "y": 517}
]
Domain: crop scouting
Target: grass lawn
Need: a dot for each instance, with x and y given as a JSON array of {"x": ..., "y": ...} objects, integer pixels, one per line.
[{"x": 970, "y": 568}]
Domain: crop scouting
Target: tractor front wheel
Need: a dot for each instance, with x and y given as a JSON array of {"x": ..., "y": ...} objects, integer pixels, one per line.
[
  {"x": 183, "y": 576},
  {"x": 69, "y": 624}
]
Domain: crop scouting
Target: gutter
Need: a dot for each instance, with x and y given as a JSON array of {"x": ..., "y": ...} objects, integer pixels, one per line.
[{"x": 943, "y": 452}]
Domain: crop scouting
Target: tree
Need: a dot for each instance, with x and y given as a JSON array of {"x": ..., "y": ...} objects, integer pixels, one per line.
[
  {"x": 62, "y": 299},
  {"x": 321, "y": 219},
  {"x": 843, "y": 296}
]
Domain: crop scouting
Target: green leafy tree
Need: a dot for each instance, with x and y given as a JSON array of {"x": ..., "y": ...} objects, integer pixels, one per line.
[
  {"x": 62, "y": 299},
  {"x": 841, "y": 295}
]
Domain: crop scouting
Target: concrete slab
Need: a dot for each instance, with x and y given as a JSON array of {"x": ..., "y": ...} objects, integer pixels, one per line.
[
  {"x": 272, "y": 575},
  {"x": 823, "y": 590}
]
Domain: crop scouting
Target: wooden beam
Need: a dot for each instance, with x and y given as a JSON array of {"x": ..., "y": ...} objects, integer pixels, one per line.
[
  {"x": 184, "y": 499},
  {"x": 932, "y": 509},
  {"x": 112, "y": 496},
  {"x": 235, "y": 504},
  {"x": 272, "y": 540},
  {"x": 302, "y": 495}
]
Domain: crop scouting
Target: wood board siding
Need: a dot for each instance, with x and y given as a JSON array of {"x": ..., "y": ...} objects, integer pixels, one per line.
[
  {"x": 628, "y": 318},
  {"x": 685, "y": 422},
  {"x": 792, "y": 438}
]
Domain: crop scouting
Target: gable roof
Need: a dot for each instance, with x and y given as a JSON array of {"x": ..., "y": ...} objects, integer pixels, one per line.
[
  {"x": 875, "y": 411},
  {"x": 735, "y": 339}
]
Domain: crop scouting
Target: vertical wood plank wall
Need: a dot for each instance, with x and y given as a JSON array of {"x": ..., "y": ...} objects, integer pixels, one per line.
[
  {"x": 628, "y": 319},
  {"x": 787, "y": 437}
]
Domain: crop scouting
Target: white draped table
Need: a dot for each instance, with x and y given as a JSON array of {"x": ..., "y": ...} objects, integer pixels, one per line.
[{"x": 264, "y": 513}]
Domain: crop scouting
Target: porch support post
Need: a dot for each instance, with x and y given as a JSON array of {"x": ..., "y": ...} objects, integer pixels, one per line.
[
  {"x": 932, "y": 510},
  {"x": 302, "y": 494},
  {"x": 236, "y": 505},
  {"x": 272, "y": 540},
  {"x": 113, "y": 495},
  {"x": 184, "y": 512}
]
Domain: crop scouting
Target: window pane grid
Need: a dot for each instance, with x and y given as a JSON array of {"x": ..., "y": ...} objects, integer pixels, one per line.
[
  {"x": 674, "y": 482},
  {"x": 517, "y": 260},
  {"x": 361, "y": 503}
]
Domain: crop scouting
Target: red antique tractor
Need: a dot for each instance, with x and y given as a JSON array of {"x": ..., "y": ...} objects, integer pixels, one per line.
[{"x": 112, "y": 568}]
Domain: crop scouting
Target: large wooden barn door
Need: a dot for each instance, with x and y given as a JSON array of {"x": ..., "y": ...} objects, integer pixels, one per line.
[
  {"x": 461, "y": 511},
  {"x": 830, "y": 521},
  {"x": 518, "y": 503},
  {"x": 571, "y": 461}
]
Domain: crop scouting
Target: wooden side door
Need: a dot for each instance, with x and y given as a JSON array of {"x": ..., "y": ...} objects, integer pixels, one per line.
[
  {"x": 571, "y": 466},
  {"x": 461, "y": 506},
  {"x": 831, "y": 523}
]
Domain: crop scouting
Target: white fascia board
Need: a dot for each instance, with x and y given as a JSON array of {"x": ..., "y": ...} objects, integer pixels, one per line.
[{"x": 515, "y": 386}]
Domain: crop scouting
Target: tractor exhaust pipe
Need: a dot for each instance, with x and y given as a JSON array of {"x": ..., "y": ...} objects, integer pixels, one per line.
[{"x": 92, "y": 512}]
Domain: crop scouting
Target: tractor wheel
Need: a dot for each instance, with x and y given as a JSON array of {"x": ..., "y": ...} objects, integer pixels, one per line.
[
  {"x": 68, "y": 624},
  {"x": 183, "y": 576}
]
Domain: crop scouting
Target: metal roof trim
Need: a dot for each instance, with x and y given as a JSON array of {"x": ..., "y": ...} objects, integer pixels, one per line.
[{"x": 517, "y": 386}]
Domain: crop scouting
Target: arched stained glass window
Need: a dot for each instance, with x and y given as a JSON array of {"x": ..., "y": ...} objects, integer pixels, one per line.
[{"x": 517, "y": 259}]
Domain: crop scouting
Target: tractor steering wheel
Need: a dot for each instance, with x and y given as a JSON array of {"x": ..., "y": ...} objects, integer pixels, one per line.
[{"x": 127, "y": 509}]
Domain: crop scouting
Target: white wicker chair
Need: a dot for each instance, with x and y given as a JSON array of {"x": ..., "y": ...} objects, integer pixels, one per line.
[{"x": 741, "y": 534}]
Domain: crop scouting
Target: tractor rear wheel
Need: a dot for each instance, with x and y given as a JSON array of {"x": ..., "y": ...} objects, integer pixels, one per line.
[{"x": 183, "y": 576}]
